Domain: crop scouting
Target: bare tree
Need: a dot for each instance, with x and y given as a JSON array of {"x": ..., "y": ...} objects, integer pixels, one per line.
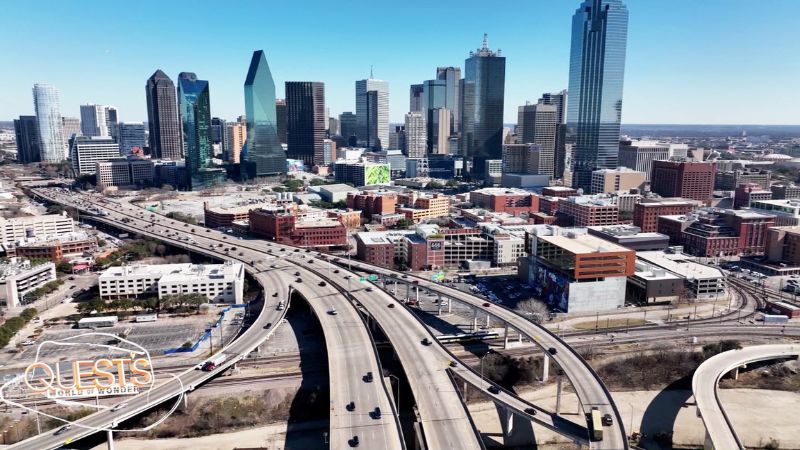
[{"x": 535, "y": 309}]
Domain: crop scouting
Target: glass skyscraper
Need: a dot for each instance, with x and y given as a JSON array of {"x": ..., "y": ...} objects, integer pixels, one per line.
[
  {"x": 48, "y": 119},
  {"x": 194, "y": 109},
  {"x": 596, "y": 72},
  {"x": 162, "y": 117},
  {"x": 483, "y": 91},
  {"x": 306, "y": 121},
  {"x": 372, "y": 113},
  {"x": 452, "y": 77},
  {"x": 262, "y": 152}
]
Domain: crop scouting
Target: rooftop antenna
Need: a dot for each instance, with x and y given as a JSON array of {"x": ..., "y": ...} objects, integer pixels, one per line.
[{"x": 485, "y": 41}]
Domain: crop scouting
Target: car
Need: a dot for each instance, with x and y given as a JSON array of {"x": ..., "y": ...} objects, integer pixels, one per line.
[
  {"x": 72, "y": 286},
  {"x": 268, "y": 325},
  {"x": 29, "y": 343},
  {"x": 795, "y": 276},
  {"x": 296, "y": 250},
  {"x": 71, "y": 278},
  {"x": 353, "y": 442},
  {"x": 376, "y": 413},
  {"x": 530, "y": 411},
  {"x": 426, "y": 341},
  {"x": 607, "y": 420},
  {"x": 453, "y": 364},
  {"x": 119, "y": 406},
  {"x": 62, "y": 430},
  {"x": 391, "y": 305},
  {"x": 275, "y": 294},
  {"x": 369, "y": 289},
  {"x": 494, "y": 389},
  {"x": 299, "y": 280},
  {"x": 333, "y": 312},
  {"x": 368, "y": 377},
  {"x": 351, "y": 406},
  {"x": 335, "y": 270},
  {"x": 552, "y": 350},
  {"x": 487, "y": 304},
  {"x": 323, "y": 284},
  {"x": 297, "y": 274}
]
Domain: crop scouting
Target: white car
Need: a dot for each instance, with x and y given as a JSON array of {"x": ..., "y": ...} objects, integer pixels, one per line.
[{"x": 333, "y": 312}]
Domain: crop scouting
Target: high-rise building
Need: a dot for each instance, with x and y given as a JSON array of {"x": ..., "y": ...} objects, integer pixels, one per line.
[
  {"x": 397, "y": 138},
  {"x": 439, "y": 127},
  {"x": 219, "y": 135},
  {"x": 692, "y": 180},
  {"x": 162, "y": 118},
  {"x": 236, "y": 135},
  {"x": 262, "y": 148},
  {"x": 525, "y": 120},
  {"x": 348, "y": 124},
  {"x": 416, "y": 135},
  {"x": 483, "y": 90},
  {"x": 305, "y": 121},
  {"x": 70, "y": 126},
  {"x": 605, "y": 181},
  {"x": 130, "y": 137},
  {"x": 194, "y": 109},
  {"x": 328, "y": 152},
  {"x": 26, "y": 132},
  {"x": 112, "y": 122},
  {"x": 640, "y": 154},
  {"x": 333, "y": 126},
  {"x": 452, "y": 78},
  {"x": 538, "y": 124},
  {"x": 87, "y": 151},
  {"x": 372, "y": 113},
  {"x": 596, "y": 72},
  {"x": 93, "y": 120},
  {"x": 415, "y": 98},
  {"x": 48, "y": 120},
  {"x": 521, "y": 159},
  {"x": 280, "y": 115}
]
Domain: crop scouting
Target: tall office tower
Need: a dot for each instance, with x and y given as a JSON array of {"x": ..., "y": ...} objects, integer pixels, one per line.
[
  {"x": 686, "y": 179},
  {"x": 415, "y": 98},
  {"x": 397, "y": 138},
  {"x": 280, "y": 114},
  {"x": 235, "y": 139},
  {"x": 372, "y": 113},
  {"x": 131, "y": 137},
  {"x": 262, "y": 150},
  {"x": 521, "y": 158},
  {"x": 348, "y": 125},
  {"x": 596, "y": 73},
  {"x": 538, "y": 124},
  {"x": 483, "y": 91},
  {"x": 93, "y": 120},
  {"x": 525, "y": 118},
  {"x": 305, "y": 121},
  {"x": 434, "y": 96},
  {"x": 48, "y": 120},
  {"x": 328, "y": 152},
  {"x": 452, "y": 78},
  {"x": 194, "y": 110},
  {"x": 162, "y": 118},
  {"x": 112, "y": 122},
  {"x": 87, "y": 151},
  {"x": 27, "y": 136},
  {"x": 333, "y": 126},
  {"x": 219, "y": 134},
  {"x": 70, "y": 126},
  {"x": 439, "y": 127},
  {"x": 559, "y": 99},
  {"x": 416, "y": 135}
]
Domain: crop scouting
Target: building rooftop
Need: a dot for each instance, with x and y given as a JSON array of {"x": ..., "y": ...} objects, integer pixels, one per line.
[
  {"x": 240, "y": 208},
  {"x": 384, "y": 237},
  {"x": 680, "y": 264},
  {"x": 592, "y": 200},
  {"x": 625, "y": 231},
  {"x": 648, "y": 271},
  {"x": 502, "y": 191},
  {"x": 337, "y": 188},
  {"x": 16, "y": 266},
  {"x": 583, "y": 244},
  {"x": 174, "y": 272}
]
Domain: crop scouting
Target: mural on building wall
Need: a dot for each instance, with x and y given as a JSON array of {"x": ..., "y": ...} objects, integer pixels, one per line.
[{"x": 551, "y": 287}]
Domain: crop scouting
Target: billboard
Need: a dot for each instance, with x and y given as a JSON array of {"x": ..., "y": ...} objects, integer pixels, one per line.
[
  {"x": 295, "y": 166},
  {"x": 376, "y": 174}
]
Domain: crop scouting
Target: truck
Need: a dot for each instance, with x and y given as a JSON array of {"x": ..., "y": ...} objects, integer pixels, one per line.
[
  {"x": 280, "y": 306},
  {"x": 773, "y": 318},
  {"x": 214, "y": 362}
]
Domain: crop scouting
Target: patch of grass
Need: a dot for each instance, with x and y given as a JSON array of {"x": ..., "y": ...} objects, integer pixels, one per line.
[
  {"x": 608, "y": 323},
  {"x": 650, "y": 370}
]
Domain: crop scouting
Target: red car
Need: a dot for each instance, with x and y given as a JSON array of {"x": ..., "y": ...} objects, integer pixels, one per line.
[{"x": 487, "y": 304}]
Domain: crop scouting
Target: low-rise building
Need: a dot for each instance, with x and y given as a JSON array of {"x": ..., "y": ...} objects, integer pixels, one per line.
[
  {"x": 786, "y": 212},
  {"x": 292, "y": 229},
  {"x": 223, "y": 216},
  {"x": 509, "y": 200},
  {"x": 783, "y": 245},
  {"x": 653, "y": 284},
  {"x": 745, "y": 194},
  {"x": 631, "y": 237},
  {"x": 704, "y": 282},
  {"x": 335, "y": 192},
  {"x": 16, "y": 228},
  {"x": 559, "y": 191},
  {"x": 125, "y": 172},
  {"x": 588, "y": 211},
  {"x": 417, "y": 206},
  {"x": 19, "y": 276},
  {"x": 730, "y": 180},
  {"x": 53, "y": 247},
  {"x": 647, "y": 211},
  {"x": 605, "y": 181},
  {"x": 372, "y": 203},
  {"x": 220, "y": 283},
  {"x": 785, "y": 191},
  {"x": 362, "y": 173}
]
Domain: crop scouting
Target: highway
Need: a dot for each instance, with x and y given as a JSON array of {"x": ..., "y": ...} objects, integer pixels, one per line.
[
  {"x": 589, "y": 389},
  {"x": 720, "y": 433},
  {"x": 351, "y": 349}
]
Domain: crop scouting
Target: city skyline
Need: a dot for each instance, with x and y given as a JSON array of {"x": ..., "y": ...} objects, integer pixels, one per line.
[{"x": 659, "y": 71}]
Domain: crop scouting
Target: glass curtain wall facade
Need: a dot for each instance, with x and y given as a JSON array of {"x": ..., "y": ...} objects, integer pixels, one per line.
[
  {"x": 48, "y": 119},
  {"x": 452, "y": 78},
  {"x": 162, "y": 118},
  {"x": 305, "y": 121},
  {"x": 596, "y": 73},
  {"x": 372, "y": 113},
  {"x": 262, "y": 152},
  {"x": 195, "y": 114}
]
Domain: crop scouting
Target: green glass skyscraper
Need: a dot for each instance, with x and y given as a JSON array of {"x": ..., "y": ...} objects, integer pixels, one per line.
[
  {"x": 194, "y": 109},
  {"x": 596, "y": 72},
  {"x": 262, "y": 154}
]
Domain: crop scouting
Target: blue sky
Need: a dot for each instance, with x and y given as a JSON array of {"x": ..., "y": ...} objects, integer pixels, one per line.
[{"x": 689, "y": 61}]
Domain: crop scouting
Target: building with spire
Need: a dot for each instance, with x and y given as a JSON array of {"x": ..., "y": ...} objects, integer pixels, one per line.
[
  {"x": 372, "y": 113},
  {"x": 596, "y": 72},
  {"x": 482, "y": 93},
  {"x": 162, "y": 118},
  {"x": 262, "y": 152}
]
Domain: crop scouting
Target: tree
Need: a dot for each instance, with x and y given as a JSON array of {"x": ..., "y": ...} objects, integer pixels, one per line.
[
  {"x": 278, "y": 189},
  {"x": 55, "y": 209},
  {"x": 403, "y": 224},
  {"x": 64, "y": 267},
  {"x": 434, "y": 185},
  {"x": 535, "y": 310},
  {"x": 294, "y": 185},
  {"x": 451, "y": 183}
]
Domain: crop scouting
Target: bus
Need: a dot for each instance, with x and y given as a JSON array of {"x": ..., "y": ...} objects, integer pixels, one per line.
[
  {"x": 462, "y": 337},
  {"x": 596, "y": 425}
]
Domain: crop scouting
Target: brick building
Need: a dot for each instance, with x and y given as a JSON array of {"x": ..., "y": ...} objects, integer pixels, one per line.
[
  {"x": 783, "y": 245},
  {"x": 416, "y": 206},
  {"x": 714, "y": 232},
  {"x": 286, "y": 228},
  {"x": 559, "y": 191},
  {"x": 646, "y": 212},
  {"x": 686, "y": 179},
  {"x": 371, "y": 203},
  {"x": 746, "y": 193},
  {"x": 512, "y": 201},
  {"x": 588, "y": 211}
]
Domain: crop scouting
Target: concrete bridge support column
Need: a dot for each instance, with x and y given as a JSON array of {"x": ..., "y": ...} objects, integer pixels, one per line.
[
  {"x": 517, "y": 430},
  {"x": 558, "y": 394},
  {"x": 735, "y": 373},
  {"x": 505, "y": 338},
  {"x": 110, "y": 439},
  {"x": 449, "y": 306},
  {"x": 474, "y": 319},
  {"x": 439, "y": 307},
  {"x": 416, "y": 294},
  {"x": 545, "y": 368},
  {"x": 707, "y": 444},
  {"x": 394, "y": 291},
  {"x": 488, "y": 317}
]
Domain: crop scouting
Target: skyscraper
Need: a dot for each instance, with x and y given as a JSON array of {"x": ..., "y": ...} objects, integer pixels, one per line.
[
  {"x": 48, "y": 120},
  {"x": 415, "y": 98},
  {"x": 97, "y": 120},
  {"x": 372, "y": 113},
  {"x": 26, "y": 132},
  {"x": 130, "y": 137},
  {"x": 280, "y": 114},
  {"x": 538, "y": 124},
  {"x": 70, "y": 126},
  {"x": 482, "y": 112},
  {"x": 219, "y": 134},
  {"x": 194, "y": 109},
  {"x": 416, "y": 135},
  {"x": 112, "y": 122},
  {"x": 347, "y": 123},
  {"x": 236, "y": 136},
  {"x": 262, "y": 150},
  {"x": 439, "y": 131},
  {"x": 162, "y": 117},
  {"x": 452, "y": 78},
  {"x": 305, "y": 121},
  {"x": 559, "y": 99},
  {"x": 596, "y": 72}
]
